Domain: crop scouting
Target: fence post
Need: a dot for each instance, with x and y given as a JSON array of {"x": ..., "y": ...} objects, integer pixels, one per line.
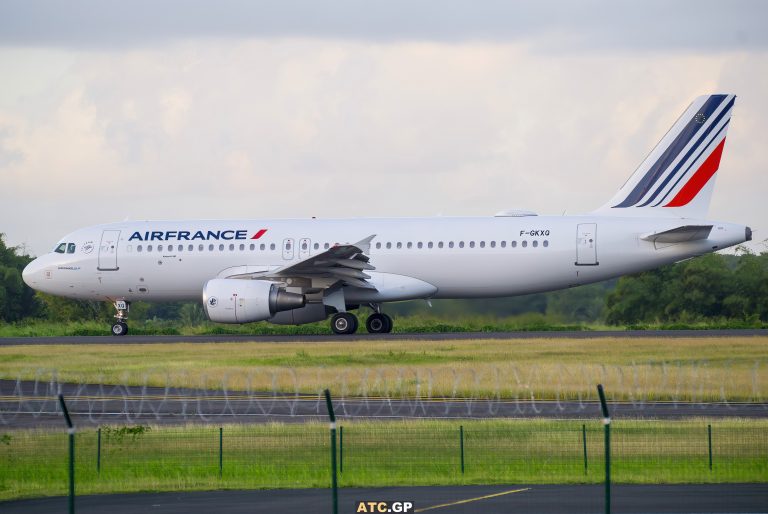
[
  {"x": 341, "y": 449},
  {"x": 584, "y": 441},
  {"x": 607, "y": 424},
  {"x": 461, "y": 446},
  {"x": 221, "y": 451},
  {"x": 334, "y": 478},
  {"x": 71, "y": 433},
  {"x": 98, "y": 451},
  {"x": 709, "y": 439}
]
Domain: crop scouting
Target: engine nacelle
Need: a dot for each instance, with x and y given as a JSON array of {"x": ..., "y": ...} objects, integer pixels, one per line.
[{"x": 228, "y": 300}]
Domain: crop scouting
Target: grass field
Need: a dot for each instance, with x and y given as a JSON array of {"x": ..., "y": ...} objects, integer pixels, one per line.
[
  {"x": 381, "y": 454},
  {"x": 636, "y": 369},
  {"x": 404, "y": 324}
]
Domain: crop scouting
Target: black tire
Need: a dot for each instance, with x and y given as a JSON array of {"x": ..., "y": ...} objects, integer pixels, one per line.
[
  {"x": 119, "y": 329},
  {"x": 377, "y": 323},
  {"x": 389, "y": 323},
  {"x": 344, "y": 323}
]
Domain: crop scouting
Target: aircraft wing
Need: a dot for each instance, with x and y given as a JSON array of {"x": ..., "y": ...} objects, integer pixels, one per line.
[
  {"x": 681, "y": 234},
  {"x": 345, "y": 263}
]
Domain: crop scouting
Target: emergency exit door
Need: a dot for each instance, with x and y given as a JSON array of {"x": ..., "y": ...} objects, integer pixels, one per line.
[
  {"x": 586, "y": 244},
  {"x": 108, "y": 250}
]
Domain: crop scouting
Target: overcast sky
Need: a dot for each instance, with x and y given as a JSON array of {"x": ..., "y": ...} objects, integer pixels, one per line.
[{"x": 113, "y": 110}]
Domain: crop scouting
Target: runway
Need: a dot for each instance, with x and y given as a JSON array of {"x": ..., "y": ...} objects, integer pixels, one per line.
[
  {"x": 26, "y": 404},
  {"x": 542, "y": 499},
  {"x": 362, "y": 337}
]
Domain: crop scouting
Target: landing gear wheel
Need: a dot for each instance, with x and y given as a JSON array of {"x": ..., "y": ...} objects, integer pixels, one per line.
[
  {"x": 344, "y": 323},
  {"x": 378, "y": 323},
  {"x": 119, "y": 329},
  {"x": 389, "y": 323}
]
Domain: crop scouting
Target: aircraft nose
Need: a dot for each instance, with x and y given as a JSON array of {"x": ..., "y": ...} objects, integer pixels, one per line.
[{"x": 31, "y": 274}]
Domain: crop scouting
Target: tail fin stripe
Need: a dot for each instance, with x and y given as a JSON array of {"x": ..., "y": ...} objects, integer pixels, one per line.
[
  {"x": 699, "y": 179},
  {"x": 690, "y": 152},
  {"x": 694, "y": 161},
  {"x": 671, "y": 153}
]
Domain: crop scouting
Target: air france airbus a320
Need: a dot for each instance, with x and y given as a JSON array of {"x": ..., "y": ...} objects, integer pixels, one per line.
[{"x": 302, "y": 271}]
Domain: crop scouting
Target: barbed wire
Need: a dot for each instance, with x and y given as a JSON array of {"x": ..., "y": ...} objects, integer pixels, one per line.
[{"x": 671, "y": 390}]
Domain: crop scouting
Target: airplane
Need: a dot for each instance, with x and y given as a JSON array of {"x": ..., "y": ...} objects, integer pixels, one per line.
[{"x": 295, "y": 271}]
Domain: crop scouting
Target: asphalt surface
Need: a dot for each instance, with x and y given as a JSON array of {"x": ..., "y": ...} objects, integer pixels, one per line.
[
  {"x": 361, "y": 337},
  {"x": 25, "y": 404},
  {"x": 507, "y": 499}
]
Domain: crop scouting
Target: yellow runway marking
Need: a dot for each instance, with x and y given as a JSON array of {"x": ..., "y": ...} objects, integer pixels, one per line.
[{"x": 468, "y": 500}]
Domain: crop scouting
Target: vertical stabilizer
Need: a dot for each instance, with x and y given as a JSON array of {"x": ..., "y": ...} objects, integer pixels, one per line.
[{"x": 678, "y": 176}]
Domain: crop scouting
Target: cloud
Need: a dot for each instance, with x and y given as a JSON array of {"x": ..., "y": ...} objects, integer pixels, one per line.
[
  {"x": 552, "y": 25},
  {"x": 337, "y": 128}
]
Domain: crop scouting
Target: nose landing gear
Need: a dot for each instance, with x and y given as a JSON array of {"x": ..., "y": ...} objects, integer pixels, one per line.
[{"x": 120, "y": 327}]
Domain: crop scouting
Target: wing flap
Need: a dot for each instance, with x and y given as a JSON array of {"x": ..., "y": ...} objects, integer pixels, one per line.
[{"x": 344, "y": 263}]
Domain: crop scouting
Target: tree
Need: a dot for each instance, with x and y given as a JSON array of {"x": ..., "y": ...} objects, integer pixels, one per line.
[{"x": 17, "y": 300}]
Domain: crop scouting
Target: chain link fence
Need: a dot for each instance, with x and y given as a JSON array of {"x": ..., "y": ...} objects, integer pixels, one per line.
[{"x": 112, "y": 459}]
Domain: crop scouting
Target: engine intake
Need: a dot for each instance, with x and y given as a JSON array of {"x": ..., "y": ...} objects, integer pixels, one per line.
[{"x": 229, "y": 300}]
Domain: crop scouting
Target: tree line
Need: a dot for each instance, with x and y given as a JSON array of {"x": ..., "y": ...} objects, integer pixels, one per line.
[{"x": 712, "y": 287}]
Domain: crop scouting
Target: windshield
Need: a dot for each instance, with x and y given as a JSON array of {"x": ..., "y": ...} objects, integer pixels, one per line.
[{"x": 61, "y": 248}]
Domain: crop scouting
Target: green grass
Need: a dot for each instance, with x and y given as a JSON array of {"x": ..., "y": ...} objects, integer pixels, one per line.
[
  {"x": 700, "y": 369},
  {"x": 383, "y": 454},
  {"x": 403, "y": 324}
]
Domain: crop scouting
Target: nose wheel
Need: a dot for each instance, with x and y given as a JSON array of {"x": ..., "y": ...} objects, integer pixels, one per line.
[
  {"x": 379, "y": 323},
  {"x": 120, "y": 327},
  {"x": 344, "y": 323}
]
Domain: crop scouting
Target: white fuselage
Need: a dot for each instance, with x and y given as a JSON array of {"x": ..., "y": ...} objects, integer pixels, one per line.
[{"x": 447, "y": 257}]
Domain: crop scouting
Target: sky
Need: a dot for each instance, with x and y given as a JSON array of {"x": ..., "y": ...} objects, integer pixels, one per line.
[{"x": 179, "y": 109}]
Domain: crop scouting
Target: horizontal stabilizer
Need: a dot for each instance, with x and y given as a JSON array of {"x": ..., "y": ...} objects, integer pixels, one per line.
[{"x": 680, "y": 234}]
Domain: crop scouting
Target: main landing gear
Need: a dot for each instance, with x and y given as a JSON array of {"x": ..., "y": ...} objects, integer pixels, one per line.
[
  {"x": 120, "y": 327},
  {"x": 344, "y": 323}
]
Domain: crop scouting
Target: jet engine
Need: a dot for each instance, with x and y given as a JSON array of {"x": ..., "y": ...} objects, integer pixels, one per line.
[{"x": 229, "y": 300}]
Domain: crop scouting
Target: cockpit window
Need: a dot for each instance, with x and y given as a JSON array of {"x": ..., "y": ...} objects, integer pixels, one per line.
[
  {"x": 61, "y": 248},
  {"x": 71, "y": 248}
]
